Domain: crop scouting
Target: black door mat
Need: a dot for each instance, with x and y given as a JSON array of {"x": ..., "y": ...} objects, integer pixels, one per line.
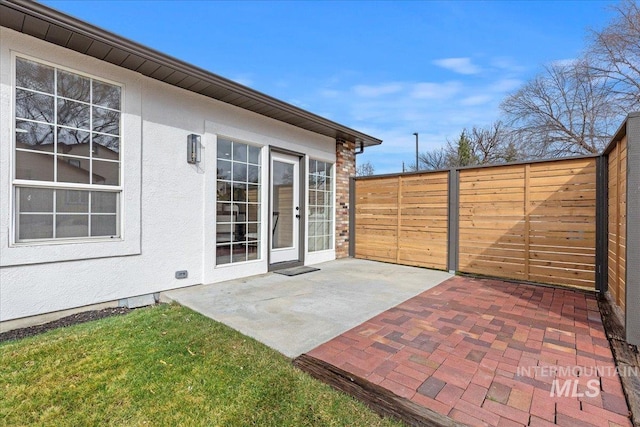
[{"x": 294, "y": 271}]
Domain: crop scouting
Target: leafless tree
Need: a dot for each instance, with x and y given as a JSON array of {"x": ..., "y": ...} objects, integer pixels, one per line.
[
  {"x": 365, "y": 169},
  {"x": 565, "y": 110},
  {"x": 614, "y": 54},
  {"x": 479, "y": 146},
  {"x": 434, "y": 159}
]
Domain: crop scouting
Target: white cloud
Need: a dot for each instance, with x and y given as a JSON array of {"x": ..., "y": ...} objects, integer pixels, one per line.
[
  {"x": 369, "y": 91},
  {"x": 476, "y": 100},
  {"x": 505, "y": 85},
  {"x": 458, "y": 65},
  {"x": 506, "y": 64},
  {"x": 440, "y": 91}
]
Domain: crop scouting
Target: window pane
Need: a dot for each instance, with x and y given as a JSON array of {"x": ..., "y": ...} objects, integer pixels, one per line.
[
  {"x": 242, "y": 212},
  {"x": 35, "y": 166},
  {"x": 253, "y": 193},
  {"x": 253, "y": 250},
  {"x": 254, "y": 174},
  {"x": 327, "y": 242},
  {"x": 72, "y": 201},
  {"x": 34, "y": 136},
  {"x": 253, "y": 212},
  {"x": 224, "y": 191},
  {"x": 105, "y": 173},
  {"x": 313, "y": 166},
  {"x": 106, "y": 147},
  {"x": 252, "y": 231},
  {"x": 104, "y": 202},
  {"x": 239, "y": 172},
  {"x": 239, "y": 253},
  {"x": 106, "y": 121},
  {"x": 73, "y": 86},
  {"x": 227, "y": 209},
  {"x": 103, "y": 225},
  {"x": 239, "y": 192},
  {"x": 240, "y": 232},
  {"x": 35, "y": 200},
  {"x": 239, "y": 152},
  {"x": 312, "y": 243},
  {"x": 223, "y": 254},
  {"x": 35, "y": 227},
  {"x": 73, "y": 170},
  {"x": 224, "y": 231},
  {"x": 106, "y": 95},
  {"x": 224, "y": 170},
  {"x": 73, "y": 142},
  {"x": 224, "y": 149},
  {"x": 254, "y": 155},
  {"x": 72, "y": 225},
  {"x": 73, "y": 114},
  {"x": 34, "y": 106},
  {"x": 33, "y": 75}
]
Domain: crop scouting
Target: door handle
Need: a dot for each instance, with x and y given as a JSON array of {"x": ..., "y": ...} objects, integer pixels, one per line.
[{"x": 298, "y": 216}]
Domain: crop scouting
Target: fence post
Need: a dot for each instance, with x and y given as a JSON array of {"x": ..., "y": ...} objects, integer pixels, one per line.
[
  {"x": 452, "y": 223},
  {"x": 352, "y": 217},
  {"x": 632, "y": 300},
  {"x": 602, "y": 224}
]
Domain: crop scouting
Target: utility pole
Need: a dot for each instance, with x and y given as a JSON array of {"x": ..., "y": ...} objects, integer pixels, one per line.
[{"x": 417, "y": 168}]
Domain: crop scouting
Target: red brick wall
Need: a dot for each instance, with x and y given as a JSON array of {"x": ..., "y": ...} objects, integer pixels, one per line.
[{"x": 345, "y": 169}]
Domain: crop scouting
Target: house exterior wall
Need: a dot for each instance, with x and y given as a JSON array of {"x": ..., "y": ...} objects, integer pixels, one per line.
[{"x": 168, "y": 207}]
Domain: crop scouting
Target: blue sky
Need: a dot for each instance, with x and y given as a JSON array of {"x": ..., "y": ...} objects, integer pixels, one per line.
[{"x": 384, "y": 68}]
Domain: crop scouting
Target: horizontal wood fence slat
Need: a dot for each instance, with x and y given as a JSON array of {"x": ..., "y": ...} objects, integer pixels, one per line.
[
  {"x": 408, "y": 225},
  {"x": 533, "y": 222}
]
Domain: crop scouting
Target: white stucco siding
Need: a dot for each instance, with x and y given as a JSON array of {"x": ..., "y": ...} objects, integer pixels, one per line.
[{"x": 168, "y": 205}]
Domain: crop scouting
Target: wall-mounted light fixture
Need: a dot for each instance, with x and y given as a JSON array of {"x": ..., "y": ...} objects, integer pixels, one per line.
[{"x": 193, "y": 149}]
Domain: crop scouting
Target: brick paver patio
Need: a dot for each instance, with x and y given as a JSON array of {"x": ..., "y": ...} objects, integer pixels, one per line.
[{"x": 488, "y": 352}]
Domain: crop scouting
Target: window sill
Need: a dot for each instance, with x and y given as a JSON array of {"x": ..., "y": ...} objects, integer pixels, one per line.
[
  {"x": 70, "y": 241},
  {"x": 30, "y": 253}
]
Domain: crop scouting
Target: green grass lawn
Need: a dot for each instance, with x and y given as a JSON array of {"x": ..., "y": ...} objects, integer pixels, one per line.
[{"x": 163, "y": 366}]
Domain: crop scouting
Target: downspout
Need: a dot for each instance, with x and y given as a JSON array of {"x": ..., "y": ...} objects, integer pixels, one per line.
[{"x": 361, "y": 148}]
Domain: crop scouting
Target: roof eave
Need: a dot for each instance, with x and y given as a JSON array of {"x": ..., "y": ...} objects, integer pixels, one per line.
[{"x": 262, "y": 103}]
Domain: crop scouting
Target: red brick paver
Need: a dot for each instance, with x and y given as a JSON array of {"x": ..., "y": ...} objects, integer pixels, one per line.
[{"x": 488, "y": 352}]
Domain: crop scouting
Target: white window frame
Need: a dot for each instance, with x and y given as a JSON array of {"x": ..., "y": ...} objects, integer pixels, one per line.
[
  {"x": 331, "y": 207},
  {"x": 261, "y": 204},
  {"x": 22, "y": 183}
]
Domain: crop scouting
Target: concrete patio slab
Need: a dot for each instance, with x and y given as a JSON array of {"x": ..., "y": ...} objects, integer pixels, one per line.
[{"x": 295, "y": 314}]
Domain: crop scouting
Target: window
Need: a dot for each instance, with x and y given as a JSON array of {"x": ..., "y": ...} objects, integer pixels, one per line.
[
  {"x": 238, "y": 202},
  {"x": 320, "y": 206},
  {"x": 67, "y": 154}
]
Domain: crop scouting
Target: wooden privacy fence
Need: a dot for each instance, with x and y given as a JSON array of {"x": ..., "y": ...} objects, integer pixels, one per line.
[
  {"x": 617, "y": 221},
  {"x": 403, "y": 219},
  {"x": 533, "y": 221}
]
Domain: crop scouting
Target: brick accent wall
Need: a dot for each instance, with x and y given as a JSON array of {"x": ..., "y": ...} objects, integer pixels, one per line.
[{"x": 345, "y": 169}]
